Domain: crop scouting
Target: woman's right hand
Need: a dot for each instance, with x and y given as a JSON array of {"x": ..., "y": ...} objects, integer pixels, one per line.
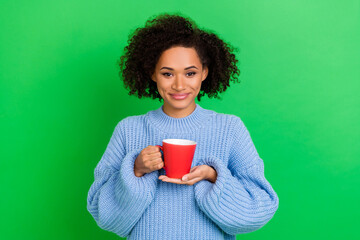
[{"x": 148, "y": 161}]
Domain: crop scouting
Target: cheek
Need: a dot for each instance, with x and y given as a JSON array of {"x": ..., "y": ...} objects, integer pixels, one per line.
[
  {"x": 162, "y": 86},
  {"x": 196, "y": 84}
]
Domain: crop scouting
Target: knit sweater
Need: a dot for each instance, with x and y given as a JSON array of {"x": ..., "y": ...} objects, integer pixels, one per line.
[{"x": 240, "y": 201}]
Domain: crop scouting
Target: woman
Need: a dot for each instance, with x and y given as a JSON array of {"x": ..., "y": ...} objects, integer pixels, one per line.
[{"x": 226, "y": 192}]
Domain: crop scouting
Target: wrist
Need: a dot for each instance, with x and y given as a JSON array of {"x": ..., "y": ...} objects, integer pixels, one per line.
[
  {"x": 137, "y": 173},
  {"x": 212, "y": 175}
]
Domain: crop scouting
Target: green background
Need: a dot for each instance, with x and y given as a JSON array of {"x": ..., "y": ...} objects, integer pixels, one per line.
[{"x": 61, "y": 97}]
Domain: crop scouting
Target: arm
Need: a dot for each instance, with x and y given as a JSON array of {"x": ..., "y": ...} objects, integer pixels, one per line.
[
  {"x": 117, "y": 198},
  {"x": 241, "y": 200}
]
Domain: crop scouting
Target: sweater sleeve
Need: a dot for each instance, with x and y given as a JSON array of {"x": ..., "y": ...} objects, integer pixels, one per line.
[
  {"x": 117, "y": 198},
  {"x": 241, "y": 200}
]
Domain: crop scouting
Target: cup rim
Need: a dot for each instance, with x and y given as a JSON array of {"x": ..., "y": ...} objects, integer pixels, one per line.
[{"x": 178, "y": 141}]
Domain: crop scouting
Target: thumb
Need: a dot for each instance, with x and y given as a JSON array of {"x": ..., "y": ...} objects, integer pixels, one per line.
[
  {"x": 193, "y": 169},
  {"x": 188, "y": 176}
]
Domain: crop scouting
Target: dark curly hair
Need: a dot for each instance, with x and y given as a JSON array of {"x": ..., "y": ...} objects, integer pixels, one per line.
[{"x": 145, "y": 46}]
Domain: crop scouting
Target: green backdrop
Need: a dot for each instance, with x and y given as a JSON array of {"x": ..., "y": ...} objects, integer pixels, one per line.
[{"x": 61, "y": 97}]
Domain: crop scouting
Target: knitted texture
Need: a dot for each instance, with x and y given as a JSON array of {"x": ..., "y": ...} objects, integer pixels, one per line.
[{"x": 240, "y": 201}]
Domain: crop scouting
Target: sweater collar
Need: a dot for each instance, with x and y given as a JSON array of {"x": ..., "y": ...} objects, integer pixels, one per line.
[{"x": 190, "y": 123}]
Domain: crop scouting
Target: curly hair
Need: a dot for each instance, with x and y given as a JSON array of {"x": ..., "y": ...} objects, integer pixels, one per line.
[{"x": 145, "y": 46}]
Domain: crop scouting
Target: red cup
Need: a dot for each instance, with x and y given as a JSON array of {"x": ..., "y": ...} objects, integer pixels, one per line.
[{"x": 178, "y": 156}]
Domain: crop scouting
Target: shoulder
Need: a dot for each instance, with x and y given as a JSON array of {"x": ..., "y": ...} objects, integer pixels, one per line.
[
  {"x": 130, "y": 121},
  {"x": 230, "y": 120},
  {"x": 233, "y": 124}
]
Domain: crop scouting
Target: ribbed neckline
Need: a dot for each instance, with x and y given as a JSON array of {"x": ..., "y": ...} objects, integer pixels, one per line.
[{"x": 190, "y": 123}]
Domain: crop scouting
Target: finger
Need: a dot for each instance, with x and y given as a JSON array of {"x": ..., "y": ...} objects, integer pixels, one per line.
[
  {"x": 193, "y": 181},
  {"x": 153, "y": 160},
  {"x": 158, "y": 165},
  {"x": 151, "y": 157},
  {"x": 189, "y": 176},
  {"x": 154, "y": 155},
  {"x": 163, "y": 177},
  {"x": 151, "y": 149},
  {"x": 193, "y": 174},
  {"x": 172, "y": 180},
  {"x": 194, "y": 168},
  {"x": 154, "y": 149},
  {"x": 152, "y": 166}
]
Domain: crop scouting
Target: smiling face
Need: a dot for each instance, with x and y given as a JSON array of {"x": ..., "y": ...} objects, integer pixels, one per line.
[{"x": 178, "y": 75}]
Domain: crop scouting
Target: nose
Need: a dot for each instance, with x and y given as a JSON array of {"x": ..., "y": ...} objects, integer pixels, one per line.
[{"x": 179, "y": 84}]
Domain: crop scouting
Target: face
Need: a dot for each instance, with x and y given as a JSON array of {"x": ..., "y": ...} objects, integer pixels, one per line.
[{"x": 178, "y": 75}]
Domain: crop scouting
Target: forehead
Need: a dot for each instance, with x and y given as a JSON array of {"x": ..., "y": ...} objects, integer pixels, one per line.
[{"x": 179, "y": 57}]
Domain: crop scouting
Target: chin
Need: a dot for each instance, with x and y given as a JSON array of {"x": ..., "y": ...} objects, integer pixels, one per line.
[{"x": 179, "y": 104}]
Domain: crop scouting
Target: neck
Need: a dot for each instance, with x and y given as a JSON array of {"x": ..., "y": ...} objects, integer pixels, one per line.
[
  {"x": 178, "y": 113},
  {"x": 189, "y": 124}
]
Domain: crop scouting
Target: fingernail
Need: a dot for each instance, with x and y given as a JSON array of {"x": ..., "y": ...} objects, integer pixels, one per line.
[{"x": 184, "y": 178}]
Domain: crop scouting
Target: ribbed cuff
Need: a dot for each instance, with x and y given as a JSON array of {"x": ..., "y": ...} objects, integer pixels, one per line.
[
  {"x": 205, "y": 189},
  {"x": 137, "y": 185},
  {"x": 234, "y": 207},
  {"x": 132, "y": 196}
]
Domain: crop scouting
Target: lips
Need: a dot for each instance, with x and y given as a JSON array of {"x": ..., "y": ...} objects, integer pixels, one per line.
[{"x": 179, "y": 96}]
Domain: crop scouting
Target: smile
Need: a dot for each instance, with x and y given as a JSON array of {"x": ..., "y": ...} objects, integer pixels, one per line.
[{"x": 179, "y": 96}]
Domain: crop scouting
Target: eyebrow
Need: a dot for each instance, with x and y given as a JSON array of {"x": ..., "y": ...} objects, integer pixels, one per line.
[{"x": 184, "y": 68}]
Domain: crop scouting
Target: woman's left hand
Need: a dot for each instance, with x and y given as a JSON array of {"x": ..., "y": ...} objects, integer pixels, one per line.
[{"x": 197, "y": 173}]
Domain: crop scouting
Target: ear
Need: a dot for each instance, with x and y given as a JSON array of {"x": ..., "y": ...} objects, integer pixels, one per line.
[
  {"x": 205, "y": 73},
  {"x": 153, "y": 77}
]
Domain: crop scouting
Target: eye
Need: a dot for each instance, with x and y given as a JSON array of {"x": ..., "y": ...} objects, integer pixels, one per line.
[
  {"x": 166, "y": 74},
  {"x": 191, "y": 74}
]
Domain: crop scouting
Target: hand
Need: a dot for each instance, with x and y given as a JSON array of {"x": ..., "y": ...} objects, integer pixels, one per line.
[
  {"x": 196, "y": 174},
  {"x": 148, "y": 160}
]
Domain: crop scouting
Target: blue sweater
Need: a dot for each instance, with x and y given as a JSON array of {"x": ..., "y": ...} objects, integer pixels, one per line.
[{"x": 240, "y": 201}]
